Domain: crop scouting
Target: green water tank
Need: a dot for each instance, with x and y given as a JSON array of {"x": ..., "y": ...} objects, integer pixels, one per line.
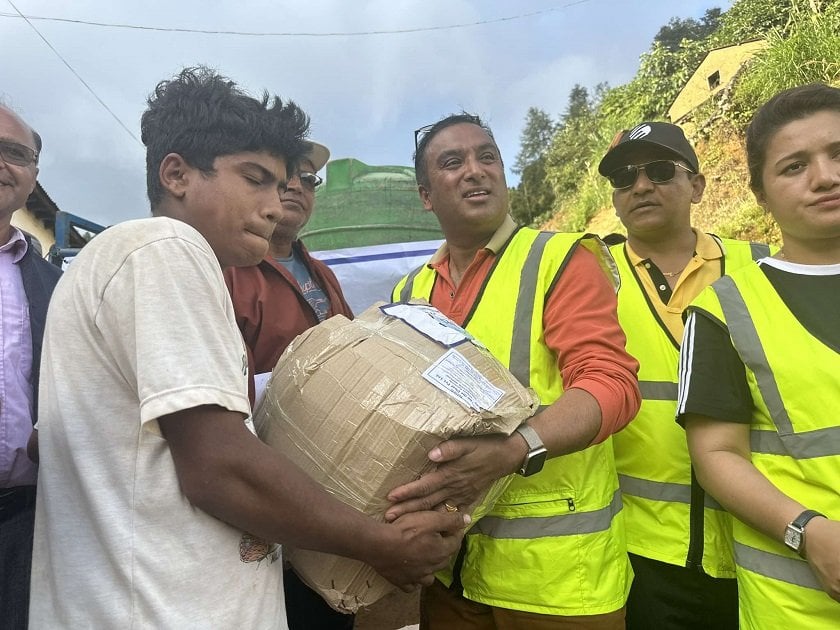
[{"x": 361, "y": 205}]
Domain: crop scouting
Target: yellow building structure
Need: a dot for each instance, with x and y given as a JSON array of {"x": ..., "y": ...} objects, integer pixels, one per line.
[
  {"x": 37, "y": 218},
  {"x": 715, "y": 73}
]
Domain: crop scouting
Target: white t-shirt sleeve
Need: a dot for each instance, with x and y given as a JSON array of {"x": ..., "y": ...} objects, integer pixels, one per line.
[{"x": 172, "y": 329}]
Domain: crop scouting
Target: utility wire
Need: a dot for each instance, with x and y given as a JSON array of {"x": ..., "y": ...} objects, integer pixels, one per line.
[
  {"x": 76, "y": 74},
  {"x": 290, "y": 34}
]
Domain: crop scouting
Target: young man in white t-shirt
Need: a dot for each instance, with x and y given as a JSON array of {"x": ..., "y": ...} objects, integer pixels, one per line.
[{"x": 157, "y": 505}]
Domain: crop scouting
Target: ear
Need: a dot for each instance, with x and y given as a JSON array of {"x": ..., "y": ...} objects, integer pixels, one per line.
[
  {"x": 175, "y": 173},
  {"x": 425, "y": 197},
  {"x": 34, "y": 180},
  {"x": 698, "y": 185},
  {"x": 761, "y": 199}
]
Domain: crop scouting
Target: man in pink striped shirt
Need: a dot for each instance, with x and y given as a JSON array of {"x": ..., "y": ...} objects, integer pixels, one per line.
[{"x": 26, "y": 282}]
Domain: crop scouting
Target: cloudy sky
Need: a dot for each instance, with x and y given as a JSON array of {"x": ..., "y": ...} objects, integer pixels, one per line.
[{"x": 367, "y": 72}]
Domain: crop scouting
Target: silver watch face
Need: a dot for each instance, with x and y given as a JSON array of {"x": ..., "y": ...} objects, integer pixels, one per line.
[{"x": 793, "y": 538}]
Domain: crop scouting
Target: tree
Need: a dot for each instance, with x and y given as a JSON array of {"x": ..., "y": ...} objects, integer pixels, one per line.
[
  {"x": 533, "y": 198},
  {"x": 573, "y": 141},
  {"x": 677, "y": 29},
  {"x": 579, "y": 104},
  {"x": 535, "y": 138}
]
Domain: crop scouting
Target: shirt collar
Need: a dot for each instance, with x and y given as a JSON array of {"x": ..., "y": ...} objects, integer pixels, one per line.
[
  {"x": 496, "y": 242},
  {"x": 17, "y": 245},
  {"x": 707, "y": 248}
]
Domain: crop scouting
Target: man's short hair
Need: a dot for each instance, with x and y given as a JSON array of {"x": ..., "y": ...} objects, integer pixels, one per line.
[
  {"x": 424, "y": 135},
  {"x": 201, "y": 115}
]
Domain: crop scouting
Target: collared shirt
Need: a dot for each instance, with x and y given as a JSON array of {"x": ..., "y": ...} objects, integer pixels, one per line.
[
  {"x": 703, "y": 269},
  {"x": 16, "y": 397},
  {"x": 312, "y": 291},
  {"x": 590, "y": 346},
  {"x": 271, "y": 308}
]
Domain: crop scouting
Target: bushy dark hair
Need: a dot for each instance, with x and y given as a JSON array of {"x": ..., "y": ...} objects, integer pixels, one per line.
[
  {"x": 786, "y": 106},
  {"x": 201, "y": 115},
  {"x": 424, "y": 135}
]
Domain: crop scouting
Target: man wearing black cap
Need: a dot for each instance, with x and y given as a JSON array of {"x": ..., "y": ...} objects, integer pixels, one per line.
[{"x": 678, "y": 538}]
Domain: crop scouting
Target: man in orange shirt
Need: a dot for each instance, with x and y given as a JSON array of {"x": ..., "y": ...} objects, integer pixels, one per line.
[{"x": 551, "y": 552}]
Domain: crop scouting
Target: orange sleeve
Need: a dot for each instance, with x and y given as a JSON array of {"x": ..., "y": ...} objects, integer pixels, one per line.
[{"x": 581, "y": 327}]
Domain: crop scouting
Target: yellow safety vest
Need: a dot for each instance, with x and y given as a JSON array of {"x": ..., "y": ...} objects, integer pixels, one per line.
[
  {"x": 554, "y": 542},
  {"x": 668, "y": 516},
  {"x": 795, "y": 442}
]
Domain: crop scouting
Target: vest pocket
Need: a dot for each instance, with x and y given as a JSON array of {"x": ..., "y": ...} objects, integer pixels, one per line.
[{"x": 525, "y": 504}]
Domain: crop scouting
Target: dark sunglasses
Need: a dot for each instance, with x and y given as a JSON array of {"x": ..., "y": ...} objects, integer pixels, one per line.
[
  {"x": 658, "y": 172},
  {"x": 17, "y": 154},
  {"x": 310, "y": 180}
]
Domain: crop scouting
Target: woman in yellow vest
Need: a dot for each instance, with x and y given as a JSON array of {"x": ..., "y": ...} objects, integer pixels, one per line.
[{"x": 760, "y": 374}]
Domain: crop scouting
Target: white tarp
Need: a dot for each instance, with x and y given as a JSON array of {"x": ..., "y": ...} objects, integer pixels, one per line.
[{"x": 368, "y": 274}]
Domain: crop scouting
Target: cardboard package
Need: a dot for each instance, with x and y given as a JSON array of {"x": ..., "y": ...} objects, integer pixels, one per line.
[{"x": 359, "y": 404}]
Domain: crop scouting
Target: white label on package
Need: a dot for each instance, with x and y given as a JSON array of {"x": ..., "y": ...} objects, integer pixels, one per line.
[
  {"x": 429, "y": 321},
  {"x": 456, "y": 376}
]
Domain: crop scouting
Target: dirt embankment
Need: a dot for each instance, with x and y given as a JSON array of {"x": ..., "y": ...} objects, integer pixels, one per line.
[{"x": 728, "y": 208}]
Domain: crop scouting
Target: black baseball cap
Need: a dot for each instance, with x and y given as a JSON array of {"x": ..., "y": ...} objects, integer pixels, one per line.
[{"x": 661, "y": 135}]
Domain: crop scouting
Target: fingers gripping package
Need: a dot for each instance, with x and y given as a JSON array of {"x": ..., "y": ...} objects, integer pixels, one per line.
[{"x": 359, "y": 404}]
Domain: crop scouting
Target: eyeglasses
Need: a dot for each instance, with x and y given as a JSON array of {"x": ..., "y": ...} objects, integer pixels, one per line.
[
  {"x": 17, "y": 154},
  {"x": 419, "y": 133},
  {"x": 310, "y": 180},
  {"x": 463, "y": 117},
  {"x": 658, "y": 172}
]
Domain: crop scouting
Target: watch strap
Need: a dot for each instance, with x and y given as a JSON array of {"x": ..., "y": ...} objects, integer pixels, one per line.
[
  {"x": 531, "y": 436},
  {"x": 795, "y": 531},
  {"x": 535, "y": 457},
  {"x": 802, "y": 520}
]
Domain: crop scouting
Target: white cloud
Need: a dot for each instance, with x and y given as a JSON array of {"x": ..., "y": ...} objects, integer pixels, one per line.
[{"x": 365, "y": 94}]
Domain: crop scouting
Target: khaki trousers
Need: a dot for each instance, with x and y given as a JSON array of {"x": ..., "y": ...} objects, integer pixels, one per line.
[{"x": 441, "y": 609}]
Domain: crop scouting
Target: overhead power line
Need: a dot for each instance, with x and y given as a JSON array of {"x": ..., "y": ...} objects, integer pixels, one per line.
[
  {"x": 419, "y": 29},
  {"x": 76, "y": 74}
]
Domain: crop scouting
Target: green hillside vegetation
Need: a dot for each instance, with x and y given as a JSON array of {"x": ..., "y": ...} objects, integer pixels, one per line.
[{"x": 560, "y": 187}]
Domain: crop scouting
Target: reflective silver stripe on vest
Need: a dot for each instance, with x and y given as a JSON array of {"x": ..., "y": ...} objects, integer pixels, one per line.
[
  {"x": 790, "y": 570},
  {"x": 658, "y": 390},
  {"x": 759, "y": 250},
  {"x": 405, "y": 293},
  {"x": 662, "y": 491},
  {"x": 803, "y": 445},
  {"x": 569, "y": 524},
  {"x": 520, "y": 343},
  {"x": 818, "y": 443},
  {"x": 746, "y": 341}
]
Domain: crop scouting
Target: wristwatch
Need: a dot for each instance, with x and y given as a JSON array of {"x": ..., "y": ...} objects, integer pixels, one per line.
[
  {"x": 535, "y": 458},
  {"x": 795, "y": 531}
]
